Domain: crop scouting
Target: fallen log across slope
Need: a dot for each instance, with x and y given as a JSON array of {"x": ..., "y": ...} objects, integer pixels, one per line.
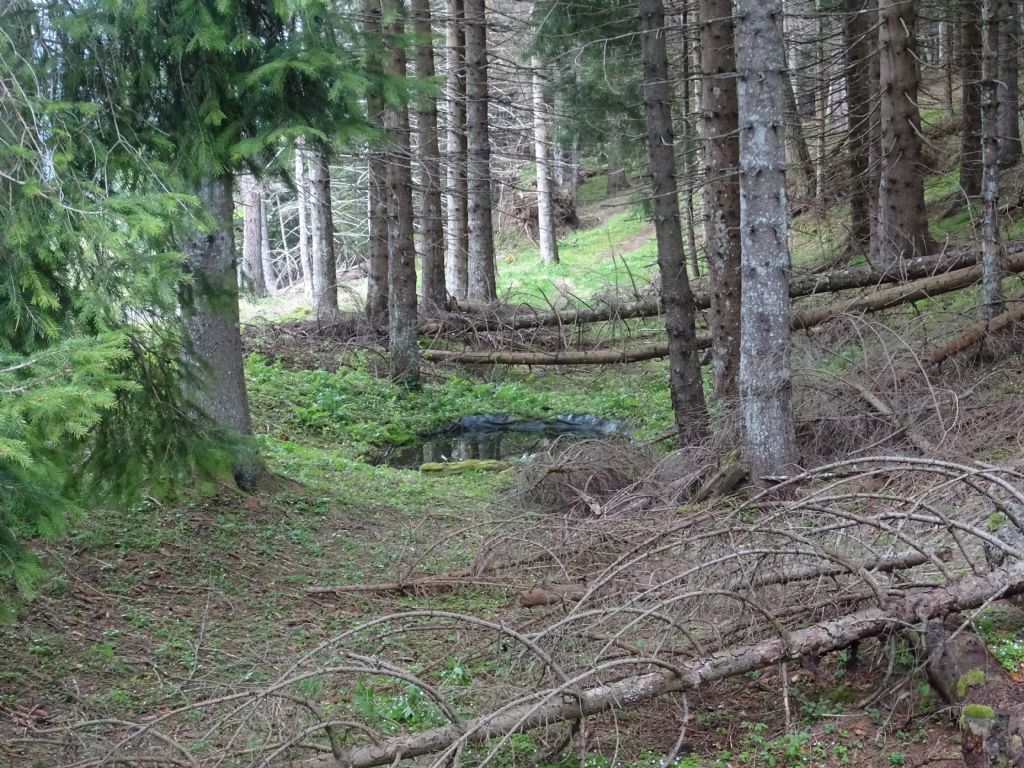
[
  {"x": 801, "y": 320},
  {"x": 572, "y": 702},
  {"x": 524, "y": 316}
]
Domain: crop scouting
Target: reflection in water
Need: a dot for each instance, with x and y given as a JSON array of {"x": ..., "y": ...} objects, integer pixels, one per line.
[{"x": 496, "y": 436}]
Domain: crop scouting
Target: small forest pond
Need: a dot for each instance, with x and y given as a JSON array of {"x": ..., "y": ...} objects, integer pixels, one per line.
[{"x": 495, "y": 436}]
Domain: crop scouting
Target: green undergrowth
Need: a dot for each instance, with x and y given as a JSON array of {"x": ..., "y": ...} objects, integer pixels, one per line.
[
  {"x": 613, "y": 256},
  {"x": 355, "y": 411}
]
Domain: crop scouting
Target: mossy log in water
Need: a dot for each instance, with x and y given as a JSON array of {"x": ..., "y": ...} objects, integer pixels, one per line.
[{"x": 469, "y": 465}]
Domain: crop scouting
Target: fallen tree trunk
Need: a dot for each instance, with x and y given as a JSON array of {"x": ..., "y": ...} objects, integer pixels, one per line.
[
  {"x": 990, "y": 705},
  {"x": 562, "y": 704},
  {"x": 483, "y": 318},
  {"x": 800, "y": 320},
  {"x": 961, "y": 343}
]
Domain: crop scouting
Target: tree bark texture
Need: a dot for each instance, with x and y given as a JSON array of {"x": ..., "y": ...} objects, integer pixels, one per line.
[
  {"x": 403, "y": 349},
  {"x": 482, "y": 285},
  {"x": 970, "y": 70},
  {"x": 685, "y": 383},
  {"x": 903, "y": 223},
  {"x": 254, "y": 282},
  {"x": 769, "y": 440},
  {"x": 325, "y": 270},
  {"x": 377, "y": 177},
  {"x": 302, "y": 197},
  {"x": 209, "y": 312},
  {"x": 859, "y": 42},
  {"x": 986, "y": 701},
  {"x": 545, "y": 213},
  {"x": 1007, "y": 18},
  {"x": 721, "y": 189},
  {"x": 432, "y": 282},
  {"x": 991, "y": 247},
  {"x": 457, "y": 261}
]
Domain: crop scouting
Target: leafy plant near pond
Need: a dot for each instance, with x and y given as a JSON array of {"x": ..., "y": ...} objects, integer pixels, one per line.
[{"x": 358, "y": 411}]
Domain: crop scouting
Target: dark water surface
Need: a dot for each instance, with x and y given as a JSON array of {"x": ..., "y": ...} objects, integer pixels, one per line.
[{"x": 496, "y": 436}]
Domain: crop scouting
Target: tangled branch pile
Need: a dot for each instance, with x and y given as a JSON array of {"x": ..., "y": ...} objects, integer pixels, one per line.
[{"x": 657, "y": 605}]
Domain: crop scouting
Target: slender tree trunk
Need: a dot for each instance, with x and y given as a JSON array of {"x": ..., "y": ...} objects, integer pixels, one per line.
[
  {"x": 545, "y": 208},
  {"x": 302, "y": 200},
  {"x": 403, "y": 350},
  {"x": 431, "y": 229},
  {"x": 970, "y": 136},
  {"x": 209, "y": 312},
  {"x": 1009, "y": 90},
  {"x": 991, "y": 248},
  {"x": 253, "y": 281},
  {"x": 769, "y": 441},
  {"x": 689, "y": 147},
  {"x": 947, "y": 59},
  {"x": 797, "y": 141},
  {"x": 376, "y": 177},
  {"x": 457, "y": 263},
  {"x": 903, "y": 223},
  {"x": 721, "y": 189},
  {"x": 267, "y": 256},
  {"x": 685, "y": 383},
  {"x": 482, "y": 285},
  {"x": 325, "y": 270},
  {"x": 618, "y": 179},
  {"x": 858, "y": 33}
]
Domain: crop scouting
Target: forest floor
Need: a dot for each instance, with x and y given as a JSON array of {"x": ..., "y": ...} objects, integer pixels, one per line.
[{"x": 178, "y": 600}]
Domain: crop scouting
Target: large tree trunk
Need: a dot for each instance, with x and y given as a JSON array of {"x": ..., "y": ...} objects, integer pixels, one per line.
[
  {"x": 254, "y": 282},
  {"x": 209, "y": 312},
  {"x": 403, "y": 349},
  {"x": 685, "y": 384},
  {"x": 545, "y": 212},
  {"x": 482, "y": 286},
  {"x": 721, "y": 189},
  {"x": 769, "y": 441},
  {"x": 903, "y": 223},
  {"x": 991, "y": 248},
  {"x": 859, "y": 41},
  {"x": 970, "y": 131},
  {"x": 1009, "y": 89},
  {"x": 325, "y": 271},
  {"x": 431, "y": 230},
  {"x": 376, "y": 178},
  {"x": 302, "y": 200},
  {"x": 457, "y": 262}
]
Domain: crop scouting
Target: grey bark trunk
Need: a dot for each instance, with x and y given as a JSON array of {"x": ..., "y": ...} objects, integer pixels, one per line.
[
  {"x": 266, "y": 255},
  {"x": 253, "y": 281},
  {"x": 457, "y": 262},
  {"x": 689, "y": 146},
  {"x": 970, "y": 135},
  {"x": 769, "y": 441},
  {"x": 376, "y": 178},
  {"x": 858, "y": 35},
  {"x": 431, "y": 229},
  {"x": 325, "y": 271},
  {"x": 685, "y": 383},
  {"x": 721, "y": 189},
  {"x": 618, "y": 179},
  {"x": 991, "y": 248},
  {"x": 302, "y": 197},
  {"x": 545, "y": 212},
  {"x": 209, "y": 312},
  {"x": 403, "y": 350},
  {"x": 1009, "y": 89},
  {"x": 482, "y": 284},
  {"x": 903, "y": 223}
]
